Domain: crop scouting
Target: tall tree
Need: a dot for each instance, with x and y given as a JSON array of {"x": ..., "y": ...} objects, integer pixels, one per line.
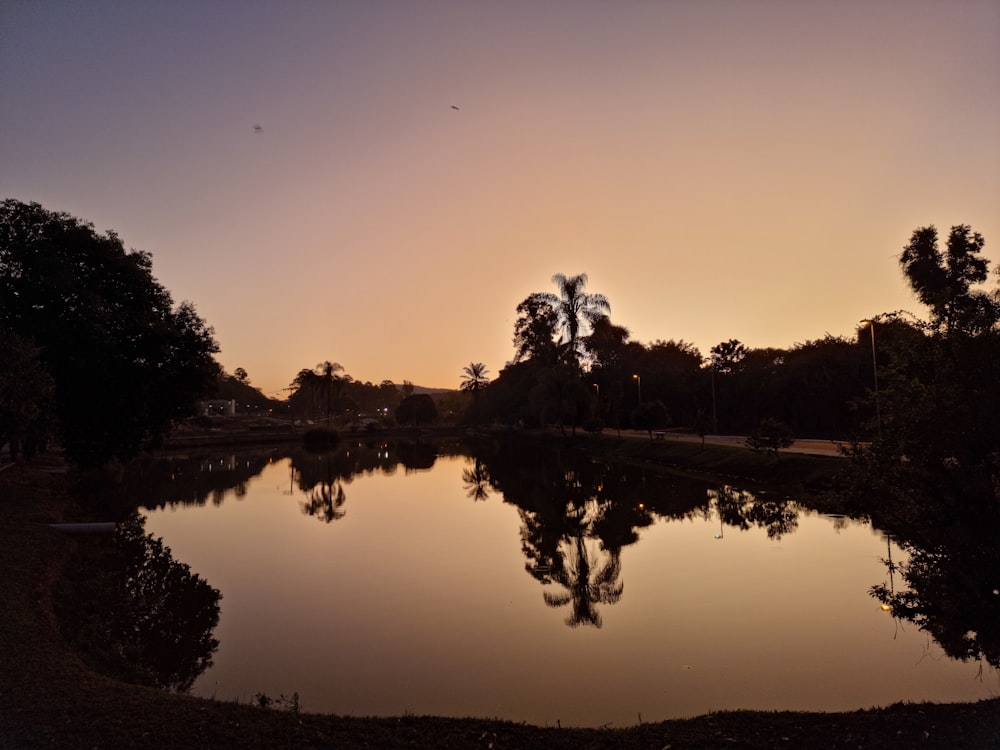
[
  {"x": 124, "y": 360},
  {"x": 727, "y": 356},
  {"x": 606, "y": 345},
  {"x": 535, "y": 328},
  {"x": 576, "y": 308},
  {"x": 332, "y": 382},
  {"x": 306, "y": 381},
  {"x": 944, "y": 281},
  {"x": 938, "y": 394}
]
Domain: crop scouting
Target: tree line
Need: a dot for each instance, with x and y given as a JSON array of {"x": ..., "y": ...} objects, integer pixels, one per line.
[
  {"x": 574, "y": 366},
  {"x": 96, "y": 354}
]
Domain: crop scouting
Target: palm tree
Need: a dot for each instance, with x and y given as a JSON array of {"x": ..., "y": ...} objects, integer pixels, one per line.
[
  {"x": 474, "y": 378},
  {"x": 332, "y": 381},
  {"x": 577, "y": 308}
]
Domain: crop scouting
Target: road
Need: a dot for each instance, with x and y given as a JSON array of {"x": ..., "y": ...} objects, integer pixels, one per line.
[{"x": 812, "y": 447}]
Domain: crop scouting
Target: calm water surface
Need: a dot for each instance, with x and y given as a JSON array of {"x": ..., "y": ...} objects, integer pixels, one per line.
[{"x": 542, "y": 593}]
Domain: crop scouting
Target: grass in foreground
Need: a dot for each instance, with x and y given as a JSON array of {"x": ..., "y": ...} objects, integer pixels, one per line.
[{"x": 49, "y": 698}]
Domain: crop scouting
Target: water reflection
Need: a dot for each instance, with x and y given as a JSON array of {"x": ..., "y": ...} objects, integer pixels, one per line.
[
  {"x": 476, "y": 480},
  {"x": 743, "y": 510},
  {"x": 576, "y": 514},
  {"x": 949, "y": 586},
  {"x": 541, "y": 547},
  {"x": 167, "y": 614},
  {"x": 200, "y": 478},
  {"x": 144, "y": 613}
]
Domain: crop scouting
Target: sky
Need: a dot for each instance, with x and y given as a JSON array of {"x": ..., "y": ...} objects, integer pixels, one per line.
[{"x": 379, "y": 183}]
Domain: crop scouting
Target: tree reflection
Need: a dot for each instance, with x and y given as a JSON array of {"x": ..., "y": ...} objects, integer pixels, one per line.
[
  {"x": 951, "y": 587},
  {"x": 142, "y": 614},
  {"x": 476, "y": 480},
  {"x": 586, "y": 581},
  {"x": 576, "y": 515},
  {"x": 194, "y": 479},
  {"x": 320, "y": 478},
  {"x": 325, "y": 501},
  {"x": 743, "y": 510}
]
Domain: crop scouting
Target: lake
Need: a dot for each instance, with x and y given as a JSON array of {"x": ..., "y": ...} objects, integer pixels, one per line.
[{"x": 386, "y": 579}]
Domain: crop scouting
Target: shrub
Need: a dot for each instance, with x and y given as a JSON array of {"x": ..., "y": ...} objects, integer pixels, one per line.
[{"x": 770, "y": 436}]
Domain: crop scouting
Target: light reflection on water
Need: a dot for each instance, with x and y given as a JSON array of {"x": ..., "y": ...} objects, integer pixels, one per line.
[{"x": 428, "y": 594}]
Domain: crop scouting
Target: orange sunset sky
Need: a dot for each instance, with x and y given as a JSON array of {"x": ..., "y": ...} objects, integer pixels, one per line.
[{"x": 720, "y": 169}]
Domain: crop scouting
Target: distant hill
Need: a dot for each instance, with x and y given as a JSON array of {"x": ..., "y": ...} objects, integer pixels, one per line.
[{"x": 432, "y": 391}]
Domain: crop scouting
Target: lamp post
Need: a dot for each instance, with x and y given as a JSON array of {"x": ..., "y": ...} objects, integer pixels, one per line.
[
  {"x": 597, "y": 387},
  {"x": 638, "y": 383},
  {"x": 878, "y": 413},
  {"x": 715, "y": 421}
]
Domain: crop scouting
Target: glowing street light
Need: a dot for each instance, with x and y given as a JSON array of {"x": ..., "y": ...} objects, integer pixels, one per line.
[
  {"x": 638, "y": 383},
  {"x": 878, "y": 413}
]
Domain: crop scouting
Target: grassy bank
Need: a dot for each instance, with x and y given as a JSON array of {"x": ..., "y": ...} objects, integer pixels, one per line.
[{"x": 50, "y": 698}]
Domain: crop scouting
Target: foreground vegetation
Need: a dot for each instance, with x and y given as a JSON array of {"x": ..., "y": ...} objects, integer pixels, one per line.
[{"x": 51, "y": 697}]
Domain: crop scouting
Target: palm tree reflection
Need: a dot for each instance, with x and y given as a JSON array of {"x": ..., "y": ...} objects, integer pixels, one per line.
[
  {"x": 587, "y": 581},
  {"x": 476, "y": 480},
  {"x": 325, "y": 501}
]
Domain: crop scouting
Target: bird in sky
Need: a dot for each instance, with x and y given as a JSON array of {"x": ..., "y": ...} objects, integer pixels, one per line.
[
  {"x": 258, "y": 129},
  {"x": 454, "y": 107}
]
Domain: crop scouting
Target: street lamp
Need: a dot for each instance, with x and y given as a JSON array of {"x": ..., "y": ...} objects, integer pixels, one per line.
[
  {"x": 597, "y": 388},
  {"x": 711, "y": 372},
  {"x": 878, "y": 413},
  {"x": 638, "y": 383}
]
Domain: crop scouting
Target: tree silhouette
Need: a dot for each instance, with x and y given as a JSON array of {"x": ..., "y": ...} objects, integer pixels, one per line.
[
  {"x": 474, "y": 378},
  {"x": 332, "y": 382},
  {"x": 125, "y": 362},
  {"x": 535, "y": 328},
  {"x": 577, "y": 308},
  {"x": 944, "y": 282}
]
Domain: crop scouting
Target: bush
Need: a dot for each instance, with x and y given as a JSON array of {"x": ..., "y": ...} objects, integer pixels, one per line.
[{"x": 770, "y": 436}]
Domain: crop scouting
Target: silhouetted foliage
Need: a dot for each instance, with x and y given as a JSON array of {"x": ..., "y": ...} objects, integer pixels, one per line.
[
  {"x": 947, "y": 585},
  {"x": 247, "y": 397},
  {"x": 144, "y": 615},
  {"x": 770, "y": 436},
  {"x": 124, "y": 360},
  {"x": 474, "y": 378},
  {"x": 577, "y": 309},
  {"x": 938, "y": 396},
  {"x": 944, "y": 281},
  {"x": 651, "y": 415},
  {"x": 27, "y": 406},
  {"x": 416, "y": 410},
  {"x": 535, "y": 329}
]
